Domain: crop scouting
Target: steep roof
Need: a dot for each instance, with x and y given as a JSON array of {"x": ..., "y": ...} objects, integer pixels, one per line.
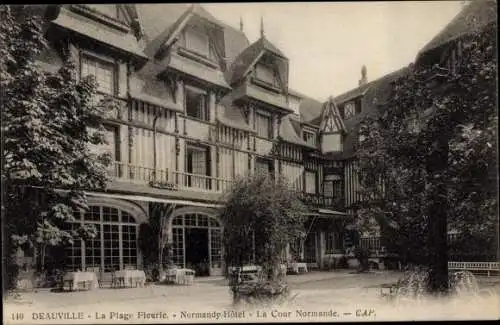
[
  {"x": 310, "y": 110},
  {"x": 99, "y": 32},
  {"x": 474, "y": 15},
  {"x": 159, "y": 21},
  {"x": 353, "y": 93},
  {"x": 231, "y": 116},
  {"x": 376, "y": 93},
  {"x": 249, "y": 56},
  {"x": 288, "y": 133}
]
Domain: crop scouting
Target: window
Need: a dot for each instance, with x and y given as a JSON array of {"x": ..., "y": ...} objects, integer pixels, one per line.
[
  {"x": 310, "y": 138},
  {"x": 267, "y": 74},
  {"x": 111, "y": 143},
  {"x": 103, "y": 72},
  {"x": 332, "y": 186},
  {"x": 264, "y": 166},
  {"x": 112, "y": 139},
  {"x": 310, "y": 179},
  {"x": 104, "y": 251},
  {"x": 196, "y": 102},
  {"x": 263, "y": 126},
  {"x": 198, "y": 166},
  {"x": 197, "y": 41},
  {"x": 349, "y": 110}
]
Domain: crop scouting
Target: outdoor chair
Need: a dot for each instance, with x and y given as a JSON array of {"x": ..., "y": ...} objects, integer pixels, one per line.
[
  {"x": 186, "y": 276},
  {"x": 117, "y": 282},
  {"x": 97, "y": 271}
]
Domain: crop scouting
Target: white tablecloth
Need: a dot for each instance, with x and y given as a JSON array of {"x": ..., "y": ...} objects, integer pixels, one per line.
[
  {"x": 180, "y": 276},
  {"x": 88, "y": 279},
  {"x": 131, "y": 277},
  {"x": 298, "y": 267}
]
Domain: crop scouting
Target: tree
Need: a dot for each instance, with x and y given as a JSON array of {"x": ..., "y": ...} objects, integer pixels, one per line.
[
  {"x": 48, "y": 122},
  {"x": 261, "y": 216},
  {"x": 428, "y": 163}
]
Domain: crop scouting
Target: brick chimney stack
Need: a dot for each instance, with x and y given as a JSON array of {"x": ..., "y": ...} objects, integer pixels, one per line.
[{"x": 363, "y": 79}]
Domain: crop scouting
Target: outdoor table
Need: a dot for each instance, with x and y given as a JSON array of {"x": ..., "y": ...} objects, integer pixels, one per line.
[
  {"x": 89, "y": 280},
  {"x": 185, "y": 276},
  {"x": 247, "y": 273},
  {"x": 130, "y": 278},
  {"x": 180, "y": 276},
  {"x": 298, "y": 267}
]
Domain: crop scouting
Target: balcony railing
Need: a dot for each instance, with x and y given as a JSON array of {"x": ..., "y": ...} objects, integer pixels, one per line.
[
  {"x": 163, "y": 179},
  {"x": 321, "y": 201},
  {"x": 174, "y": 180},
  {"x": 201, "y": 182},
  {"x": 138, "y": 174}
]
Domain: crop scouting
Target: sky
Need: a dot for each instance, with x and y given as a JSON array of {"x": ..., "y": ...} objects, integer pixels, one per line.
[{"x": 328, "y": 43}]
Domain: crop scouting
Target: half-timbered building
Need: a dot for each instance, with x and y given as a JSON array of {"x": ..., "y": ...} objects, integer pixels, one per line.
[{"x": 199, "y": 106}]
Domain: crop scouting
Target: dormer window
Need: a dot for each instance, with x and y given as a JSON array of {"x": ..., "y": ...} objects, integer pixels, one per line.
[
  {"x": 349, "y": 110},
  {"x": 197, "y": 41},
  {"x": 309, "y": 137},
  {"x": 352, "y": 108},
  {"x": 266, "y": 73}
]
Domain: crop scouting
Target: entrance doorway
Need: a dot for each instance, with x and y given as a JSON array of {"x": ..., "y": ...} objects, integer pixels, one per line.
[
  {"x": 197, "y": 243},
  {"x": 197, "y": 254},
  {"x": 310, "y": 249}
]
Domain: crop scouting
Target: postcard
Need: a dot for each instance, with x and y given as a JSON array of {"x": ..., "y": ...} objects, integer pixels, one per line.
[{"x": 249, "y": 162}]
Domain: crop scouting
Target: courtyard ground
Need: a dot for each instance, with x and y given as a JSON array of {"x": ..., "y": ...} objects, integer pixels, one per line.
[{"x": 319, "y": 296}]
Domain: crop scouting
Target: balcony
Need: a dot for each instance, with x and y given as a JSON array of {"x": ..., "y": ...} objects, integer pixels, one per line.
[
  {"x": 321, "y": 201},
  {"x": 197, "y": 182},
  {"x": 138, "y": 174},
  {"x": 164, "y": 179}
]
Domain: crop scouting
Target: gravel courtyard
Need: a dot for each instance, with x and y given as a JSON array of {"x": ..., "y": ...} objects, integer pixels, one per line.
[{"x": 319, "y": 296}]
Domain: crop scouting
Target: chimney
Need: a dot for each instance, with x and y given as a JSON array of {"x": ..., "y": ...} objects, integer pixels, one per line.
[
  {"x": 363, "y": 79},
  {"x": 241, "y": 24}
]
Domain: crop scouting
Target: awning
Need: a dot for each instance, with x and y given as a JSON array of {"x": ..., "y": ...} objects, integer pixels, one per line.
[{"x": 153, "y": 199}]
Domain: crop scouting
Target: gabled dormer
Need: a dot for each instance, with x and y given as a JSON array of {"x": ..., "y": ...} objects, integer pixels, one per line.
[
  {"x": 260, "y": 74},
  {"x": 193, "y": 47},
  {"x": 112, "y": 30},
  {"x": 332, "y": 128},
  {"x": 197, "y": 34}
]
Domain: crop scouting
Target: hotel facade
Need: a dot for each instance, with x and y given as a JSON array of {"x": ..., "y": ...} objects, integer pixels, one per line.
[{"x": 200, "y": 106}]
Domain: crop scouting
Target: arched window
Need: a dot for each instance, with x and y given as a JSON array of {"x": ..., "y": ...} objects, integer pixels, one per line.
[{"x": 114, "y": 247}]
